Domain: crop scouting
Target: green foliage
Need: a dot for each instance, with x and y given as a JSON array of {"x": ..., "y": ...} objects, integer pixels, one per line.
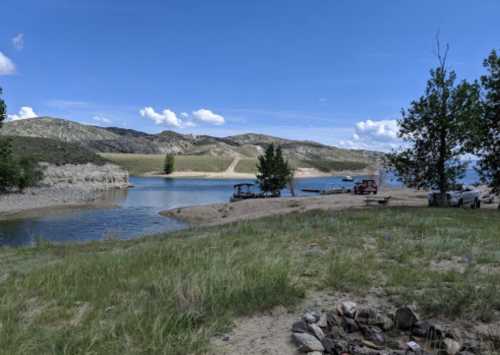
[
  {"x": 274, "y": 173},
  {"x": 169, "y": 165},
  {"x": 434, "y": 130},
  {"x": 487, "y": 129},
  {"x": 15, "y": 172},
  {"x": 53, "y": 151},
  {"x": 3, "y": 109}
]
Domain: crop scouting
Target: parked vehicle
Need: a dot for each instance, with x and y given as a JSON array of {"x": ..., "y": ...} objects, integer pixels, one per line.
[
  {"x": 463, "y": 197},
  {"x": 366, "y": 187}
]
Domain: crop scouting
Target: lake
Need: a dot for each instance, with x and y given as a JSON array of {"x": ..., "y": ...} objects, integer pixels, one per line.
[{"x": 136, "y": 211}]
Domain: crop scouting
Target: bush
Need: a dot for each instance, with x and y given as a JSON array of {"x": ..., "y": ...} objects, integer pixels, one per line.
[
  {"x": 169, "y": 165},
  {"x": 17, "y": 173}
]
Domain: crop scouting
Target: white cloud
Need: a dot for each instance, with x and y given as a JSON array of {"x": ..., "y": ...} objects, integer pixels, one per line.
[
  {"x": 165, "y": 117},
  {"x": 101, "y": 119},
  {"x": 374, "y": 135},
  {"x": 208, "y": 116},
  {"x": 184, "y": 114},
  {"x": 7, "y": 67},
  {"x": 24, "y": 113},
  {"x": 18, "y": 41},
  {"x": 383, "y": 131}
]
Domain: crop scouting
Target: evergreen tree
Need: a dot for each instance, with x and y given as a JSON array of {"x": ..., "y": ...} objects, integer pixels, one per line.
[
  {"x": 169, "y": 165},
  {"x": 434, "y": 130},
  {"x": 274, "y": 173}
]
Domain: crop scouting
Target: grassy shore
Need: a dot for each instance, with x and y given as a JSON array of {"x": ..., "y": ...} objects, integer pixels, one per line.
[
  {"x": 169, "y": 295},
  {"x": 139, "y": 164}
]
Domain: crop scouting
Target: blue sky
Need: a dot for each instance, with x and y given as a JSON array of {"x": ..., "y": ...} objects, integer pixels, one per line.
[{"x": 334, "y": 71}]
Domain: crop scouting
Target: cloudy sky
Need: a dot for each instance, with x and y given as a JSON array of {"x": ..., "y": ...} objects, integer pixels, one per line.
[{"x": 333, "y": 71}]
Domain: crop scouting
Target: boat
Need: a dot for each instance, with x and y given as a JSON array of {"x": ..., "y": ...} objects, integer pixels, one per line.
[
  {"x": 347, "y": 178},
  {"x": 244, "y": 192}
]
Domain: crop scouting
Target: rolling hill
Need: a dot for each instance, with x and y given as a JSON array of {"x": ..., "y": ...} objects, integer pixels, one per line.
[{"x": 120, "y": 140}]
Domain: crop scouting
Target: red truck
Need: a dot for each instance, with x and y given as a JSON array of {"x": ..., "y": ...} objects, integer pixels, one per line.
[{"x": 366, "y": 187}]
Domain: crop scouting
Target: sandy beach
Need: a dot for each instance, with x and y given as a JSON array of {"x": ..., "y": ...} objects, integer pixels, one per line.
[{"x": 221, "y": 213}]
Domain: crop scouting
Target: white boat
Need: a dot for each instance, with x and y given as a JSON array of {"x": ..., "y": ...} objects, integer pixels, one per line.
[{"x": 347, "y": 178}]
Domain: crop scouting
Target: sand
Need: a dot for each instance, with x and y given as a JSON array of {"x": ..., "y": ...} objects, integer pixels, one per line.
[{"x": 221, "y": 213}]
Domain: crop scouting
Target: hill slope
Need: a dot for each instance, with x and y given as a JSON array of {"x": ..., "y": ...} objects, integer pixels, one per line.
[{"x": 120, "y": 140}]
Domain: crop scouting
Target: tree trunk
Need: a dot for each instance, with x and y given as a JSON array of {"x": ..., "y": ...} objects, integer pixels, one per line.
[{"x": 443, "y": 181}]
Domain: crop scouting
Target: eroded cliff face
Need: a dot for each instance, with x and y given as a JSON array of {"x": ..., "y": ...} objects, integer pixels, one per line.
[{"x": 100, "y": 177}]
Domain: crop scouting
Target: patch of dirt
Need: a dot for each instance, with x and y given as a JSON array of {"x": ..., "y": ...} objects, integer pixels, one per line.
[
  {"x": 255, "y": 208},
  {"x": 270, "y": 333}
]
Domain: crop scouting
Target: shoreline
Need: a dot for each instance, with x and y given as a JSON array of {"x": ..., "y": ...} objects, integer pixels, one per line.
[
  {"x": 223, "y": 213},
  {"x": 300, "y": 173},
  {"x": 44, "y": 201}
]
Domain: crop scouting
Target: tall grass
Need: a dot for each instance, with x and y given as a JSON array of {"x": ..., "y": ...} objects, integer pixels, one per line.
[{"x": 169, "y": 295}]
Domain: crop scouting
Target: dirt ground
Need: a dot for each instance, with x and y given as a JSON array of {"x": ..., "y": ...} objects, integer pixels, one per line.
[{"x": 255, "y": 208}]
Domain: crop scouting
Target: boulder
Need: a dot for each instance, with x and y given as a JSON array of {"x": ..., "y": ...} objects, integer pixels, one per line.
[
  {"x": 316, "y": 331},
  {"x": 307, "y": 342},
  {"x": 299, "y": 327},
  {"x": 311, "y": 317},
  {"x": 421, "y": 329},
  {"x": 349, "y": 325},
  {"x": 373, "y": 334},
  {"x": 348, "y": 309},
  {"x": 451, "y": 346},
  {"x": 405, "y": 318}
]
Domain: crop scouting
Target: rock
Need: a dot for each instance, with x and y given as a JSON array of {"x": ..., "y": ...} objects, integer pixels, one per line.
[
  {"x": 329, "y": 345},
  {"x": 348, "y": 309},
  {"x": 374, "y": 335},
  {"x": 311, "y": 317},
  {"x": 315, "y": 353},
  {"x": 332, "y": 319},
  {"x": 413, "y": 346},
  {"x": 299, "y": 327},
  {"x": 307, "y": 342},
  {"x": 370, "y": 316},
  {"x": 451, "y": 347},
  {"x": 421, "y": 329},
  {"x": 405, "y": 318},
  {"x": 372, "y": 345},
  {"x": 349, "y": 325},
  {"x": 316, "y": 331},
  {"x": 333, "y": 346},
  {"x": 323, "y": 323}
]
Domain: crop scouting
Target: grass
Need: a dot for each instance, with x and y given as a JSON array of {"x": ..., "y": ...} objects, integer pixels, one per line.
[
  {"x": 139, "y": 164},
  {"x": 249, "y": 165},
  {"x": 169, "y": 295},
  {"x": 53, "y": 151}
]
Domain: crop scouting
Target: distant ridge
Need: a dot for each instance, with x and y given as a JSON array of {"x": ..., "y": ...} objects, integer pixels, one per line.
[{"x": 122, "y": 140}]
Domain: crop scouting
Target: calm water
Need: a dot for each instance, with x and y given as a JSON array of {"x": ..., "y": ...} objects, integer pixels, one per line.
[{"x": 137, "y": 211}]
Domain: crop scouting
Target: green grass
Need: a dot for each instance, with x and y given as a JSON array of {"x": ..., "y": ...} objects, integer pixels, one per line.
[
  {"x": 53, "y": 151},
  {"x": 169, "y": 295},
  {"x": 138, "y": 164}
]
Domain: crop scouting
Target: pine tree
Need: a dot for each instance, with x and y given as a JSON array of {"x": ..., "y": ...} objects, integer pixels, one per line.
[
  {"x": 169, "y": 165},
  {"x": 274, "y": 173}
]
